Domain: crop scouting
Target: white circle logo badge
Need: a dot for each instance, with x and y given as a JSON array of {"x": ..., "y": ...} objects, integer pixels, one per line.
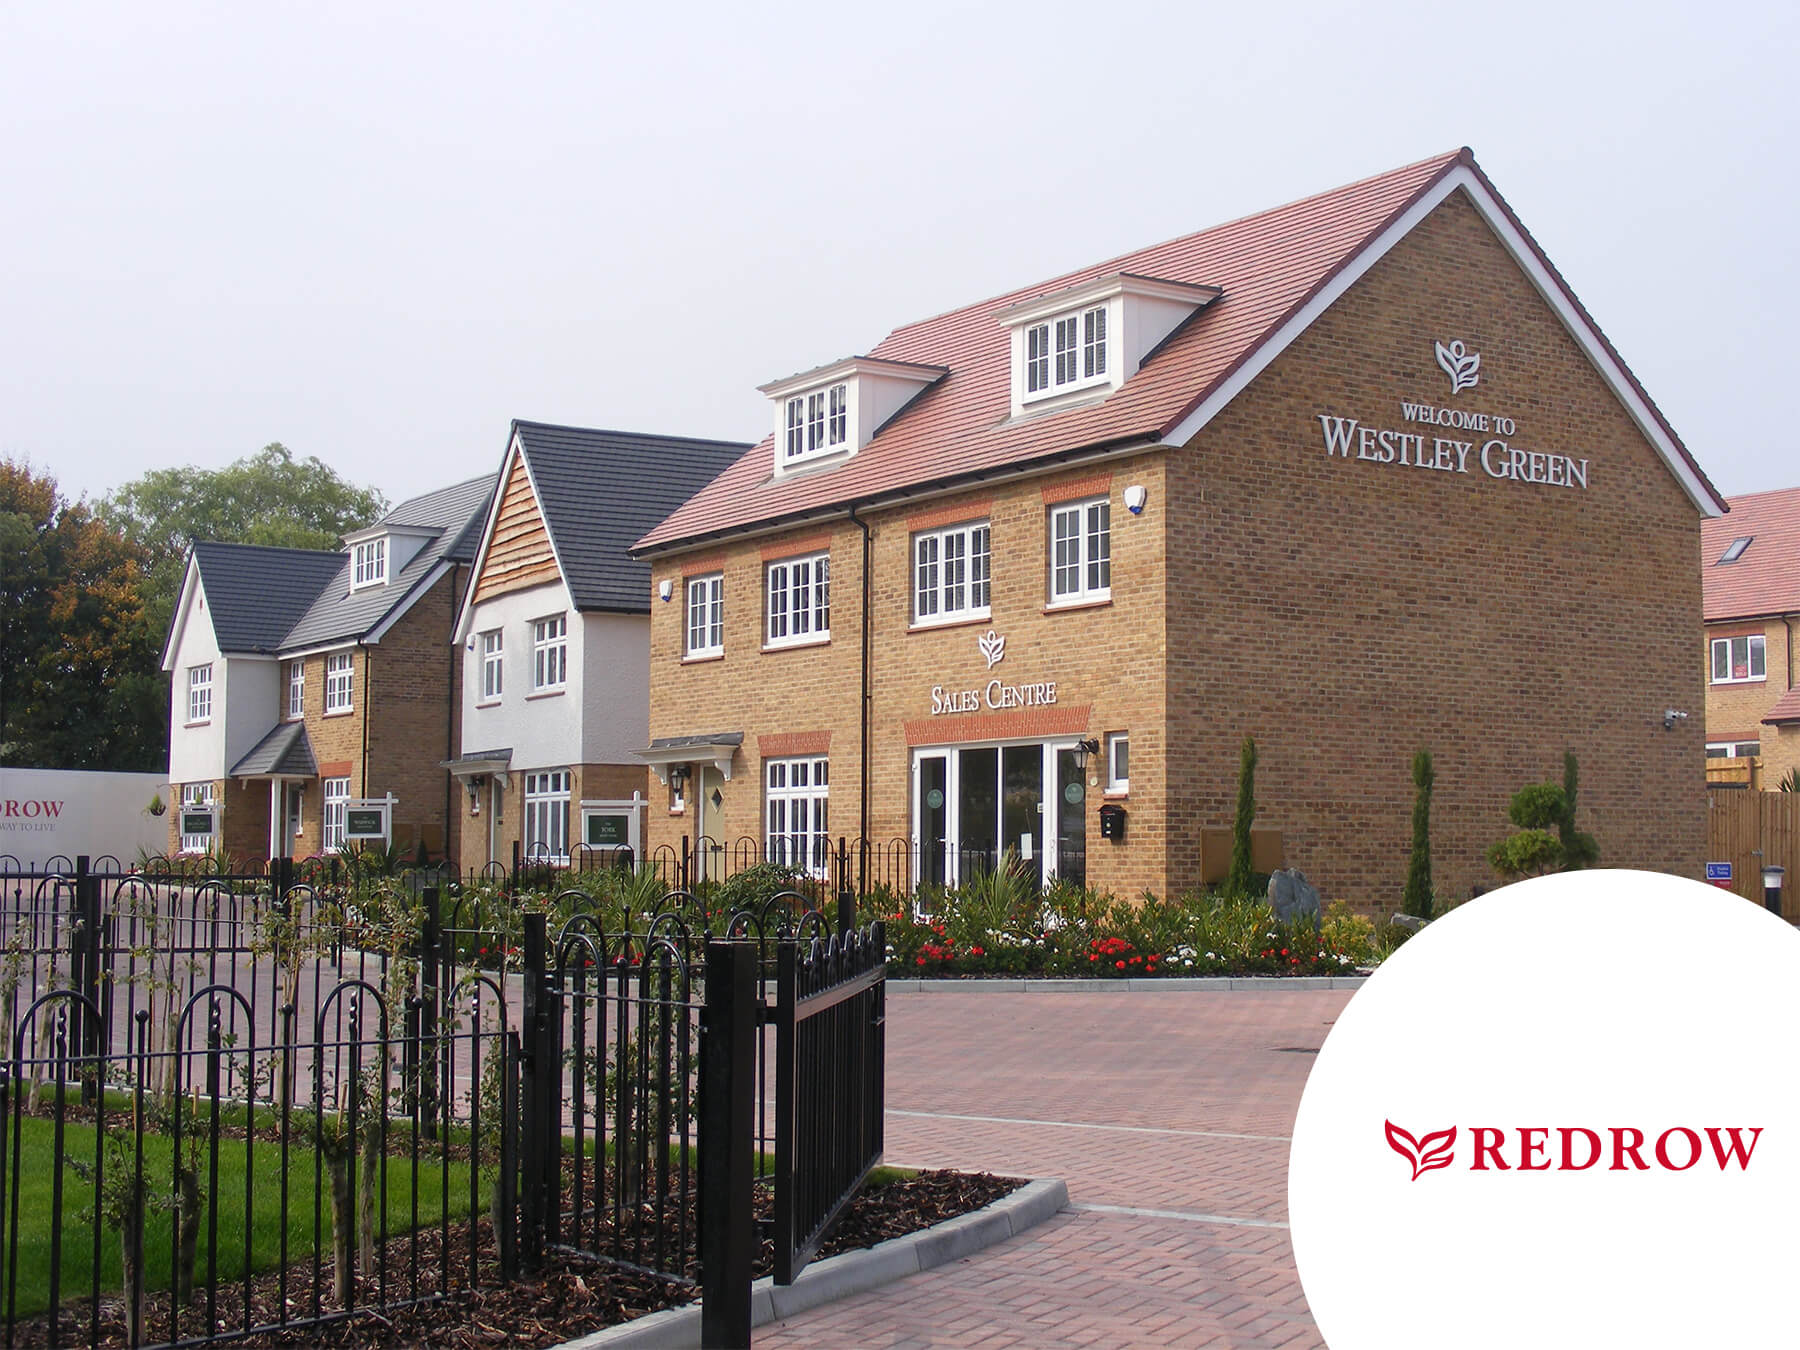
[{"x": 1567, "y": 1114}]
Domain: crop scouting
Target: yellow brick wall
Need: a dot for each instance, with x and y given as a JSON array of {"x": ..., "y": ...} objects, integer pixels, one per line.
[
  {"x": 1348, "y": 613},
  {"x": 1735, "y": 711}
]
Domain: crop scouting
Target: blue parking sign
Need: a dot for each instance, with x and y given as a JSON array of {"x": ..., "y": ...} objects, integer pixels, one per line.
[{"x": 1718, "y": 873}]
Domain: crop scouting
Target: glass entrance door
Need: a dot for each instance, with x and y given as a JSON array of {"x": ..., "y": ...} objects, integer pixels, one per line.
[{"x": 975, "y": 805}]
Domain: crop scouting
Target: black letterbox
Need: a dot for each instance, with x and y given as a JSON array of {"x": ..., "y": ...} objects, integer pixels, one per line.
[{"x": 1112, "y": 822}]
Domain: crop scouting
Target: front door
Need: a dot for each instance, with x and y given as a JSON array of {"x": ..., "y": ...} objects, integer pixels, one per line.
[
  {"x": 709, "y": 847},
  {"x": 975, "y": 806}
]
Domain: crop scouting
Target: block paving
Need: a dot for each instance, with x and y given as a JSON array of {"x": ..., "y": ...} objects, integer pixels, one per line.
[{"x": 1168, "y": 1114}]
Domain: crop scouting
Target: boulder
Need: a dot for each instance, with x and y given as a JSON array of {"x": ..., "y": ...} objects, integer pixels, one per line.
[
  {"x": 1292, "y": 896},
  {"x": 1410, "y": 922}
]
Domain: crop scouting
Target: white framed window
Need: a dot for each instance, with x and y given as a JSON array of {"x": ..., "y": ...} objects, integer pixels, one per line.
[
  {"x": 799, "y": 600},
  {"x": 337, "y": 803},
  {"x": 547, "y": 814},
  {"x": 368, "y": 563},
  {"x": 549, "y": 653},
  {"x": 199, "y": 693},
  {"x": 1066, "y": 352},
  {"x": 1081, "y": 552},
  {"x": 340, "y": 682},
  {"x": 798, "y": 796},
  {"x": 1118, "y": 761},
  {"x": 706, "y": 615},
  {"x": 196, "y": 797},
  {"x": 817, "y": 423},
  {"x": 1733, "y": 749},
  {"x": 296, "y": 690},
  {"x": 1738, "y": 660},
  {"x": 950, "y": 574},
  {"x": 493, "y": 665}
]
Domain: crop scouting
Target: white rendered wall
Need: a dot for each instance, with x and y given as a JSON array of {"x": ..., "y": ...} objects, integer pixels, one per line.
[
  {"x": 196, "y": 754},
  {"x": 615, "y": 690},
  {"x": 542, "y": 731}
]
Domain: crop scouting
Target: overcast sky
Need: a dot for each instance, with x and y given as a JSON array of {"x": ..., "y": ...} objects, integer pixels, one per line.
[{"x": 377, "y": 235}]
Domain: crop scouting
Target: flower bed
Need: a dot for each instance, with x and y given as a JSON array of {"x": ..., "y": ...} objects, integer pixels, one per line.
[{"x": 999, "y": 925}]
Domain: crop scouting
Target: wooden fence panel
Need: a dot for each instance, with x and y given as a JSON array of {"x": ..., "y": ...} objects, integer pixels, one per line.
[{"x": 1749, "y": 829}]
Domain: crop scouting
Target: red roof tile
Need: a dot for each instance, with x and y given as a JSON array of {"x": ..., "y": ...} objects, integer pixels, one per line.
[
  {"x": 1786, "y": 709},
  {"x": 1269, "y": 266},
  {"x": 1766, "y": 579}
]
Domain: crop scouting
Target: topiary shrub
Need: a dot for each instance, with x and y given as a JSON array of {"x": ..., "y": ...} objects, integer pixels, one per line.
[
  {"x": 1416, "y": 899},
  {"x": 1239, "y": 880}
]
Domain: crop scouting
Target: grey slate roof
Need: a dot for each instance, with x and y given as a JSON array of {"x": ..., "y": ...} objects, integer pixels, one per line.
[
  {"x": 336, "y": 614},
  {"x": 602, "y": 491},
  {"x": 257, "y": 594},
  {"x": 285, "y": 752}
]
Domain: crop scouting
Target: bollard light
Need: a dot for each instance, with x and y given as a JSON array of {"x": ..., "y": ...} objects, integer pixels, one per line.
[{"x": 1772, "y": 875}]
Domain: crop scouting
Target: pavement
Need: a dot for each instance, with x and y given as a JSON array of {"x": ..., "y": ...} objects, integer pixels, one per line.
[{"x": 1167, "y": 1112}]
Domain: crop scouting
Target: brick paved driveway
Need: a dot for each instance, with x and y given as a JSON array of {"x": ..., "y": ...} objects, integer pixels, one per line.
[{"x": 1168, "y": 1113}]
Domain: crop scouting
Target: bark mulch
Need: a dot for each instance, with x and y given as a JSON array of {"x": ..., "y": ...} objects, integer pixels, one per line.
[{"x": 569, "y": 1297}]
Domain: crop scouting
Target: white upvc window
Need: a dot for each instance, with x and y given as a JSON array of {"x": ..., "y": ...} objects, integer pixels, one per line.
[
  {"x": 799, "y": 600},
  {"x": 1118, "y": 761},
  {"x": 1066, "y": 352},
  {"x": 547, "y": 814},
  {"x": 1081, "y": 552},
  {"x": 493, "y": 665},
  {"x": 337, "y": 804},
  {"x": 950, "y": 574},
  {"x": 199, "y": 693},
  {"x": 549, "y": 653},
  {"x": 706, "y": 615},
  {"x": 818, "y": 423},
  {"x": 296, "y": 690},
  {"x": 1733, "y": 749},
  {"x": 197, "y": 797},
  {"x": 799, "y": 831},
  {"x": 368, "y": 563},
  {"x": 1737, "y": 660},
  {"x": 340, "y": 682}
]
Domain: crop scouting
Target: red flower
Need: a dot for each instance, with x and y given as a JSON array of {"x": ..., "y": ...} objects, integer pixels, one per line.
[
  {"x": 1118, "y": 965},
  {"x": 921, "y": 960},
  {"x": 976, "y": 951},
  {"x": 1284, "y": 951}
]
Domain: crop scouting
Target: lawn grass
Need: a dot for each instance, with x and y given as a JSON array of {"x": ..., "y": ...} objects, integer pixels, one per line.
[{"x": 40, "y": 1221}]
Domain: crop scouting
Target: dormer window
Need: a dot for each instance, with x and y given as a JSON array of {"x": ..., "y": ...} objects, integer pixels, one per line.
[
  {"x": 826, "y": 415},
  {"x": 818, "y": 423},
  {"x": 1080, "y": 342},
  {"x": 368, "y": 564},
  {"x": 1066, "y": 353}
]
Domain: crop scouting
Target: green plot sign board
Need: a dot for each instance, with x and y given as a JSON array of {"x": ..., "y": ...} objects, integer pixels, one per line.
[
  {"x": 196, "y": 822},
  {"x": 607, "y": 829},
  {"x": 367, "y": 819}
]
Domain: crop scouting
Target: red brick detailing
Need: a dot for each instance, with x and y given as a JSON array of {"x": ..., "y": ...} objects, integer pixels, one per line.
[
  {"x": 1026, "y": 724},
  {"x": 1096, "y": 486},
  {"x": 791, "y": 548},
  {"x": 694, "y": 567},
  {"x": 950, "y": 515},
  {"x": 1719, "y": 630},
  {"x": 336, "y": 768},
  {"x": 781, "y": 743}
]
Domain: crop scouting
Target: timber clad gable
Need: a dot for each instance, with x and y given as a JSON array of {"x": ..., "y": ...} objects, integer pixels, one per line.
[{"x": 519, "y": 554}]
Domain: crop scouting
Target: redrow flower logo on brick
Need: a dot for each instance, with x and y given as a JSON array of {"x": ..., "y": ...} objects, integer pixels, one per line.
[{"x": 1577, "y": 1148}]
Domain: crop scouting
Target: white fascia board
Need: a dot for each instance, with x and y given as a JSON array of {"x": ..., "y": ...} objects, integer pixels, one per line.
[
  {"x": 514, "y": 450},
  {"x": 852, "y": 365},
  {"x": 393, "y": 616},
  {"x": 1104, "y": 288},
  {"x": 341, "y": 645},
  {"x": 1528, "y": 261},
  {"x": 190, "y": 588}
]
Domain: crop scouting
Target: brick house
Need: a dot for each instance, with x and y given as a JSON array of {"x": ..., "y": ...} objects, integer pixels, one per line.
[
  {"x": 553, "y": 637},
  {"x": 1750, "y": 571},
  {"x": 1354, "y": 476},
  {"x": 306, "y": 680}
]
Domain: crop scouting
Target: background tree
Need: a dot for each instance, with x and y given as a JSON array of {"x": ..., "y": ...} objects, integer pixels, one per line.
[
  {"x": 270, "y": 498},
  {"x": 1417, "y": 898},
  {"x": 79, "y": 686},
  {"x": 1238, "y": 879}
]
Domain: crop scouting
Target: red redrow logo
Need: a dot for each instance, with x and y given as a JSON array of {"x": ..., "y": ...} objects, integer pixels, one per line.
[
  {"x": 1575, "y": 1148},
  {"x": 13, "y": 808}
]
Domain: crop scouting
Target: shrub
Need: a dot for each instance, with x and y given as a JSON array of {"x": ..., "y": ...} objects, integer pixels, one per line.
[
  {"x": 1579, "y": 848},
  {"x": 1416, "y": 900},
  {"x": 1349, "y": 933},
  {"x": 1238, "y": 879}
]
